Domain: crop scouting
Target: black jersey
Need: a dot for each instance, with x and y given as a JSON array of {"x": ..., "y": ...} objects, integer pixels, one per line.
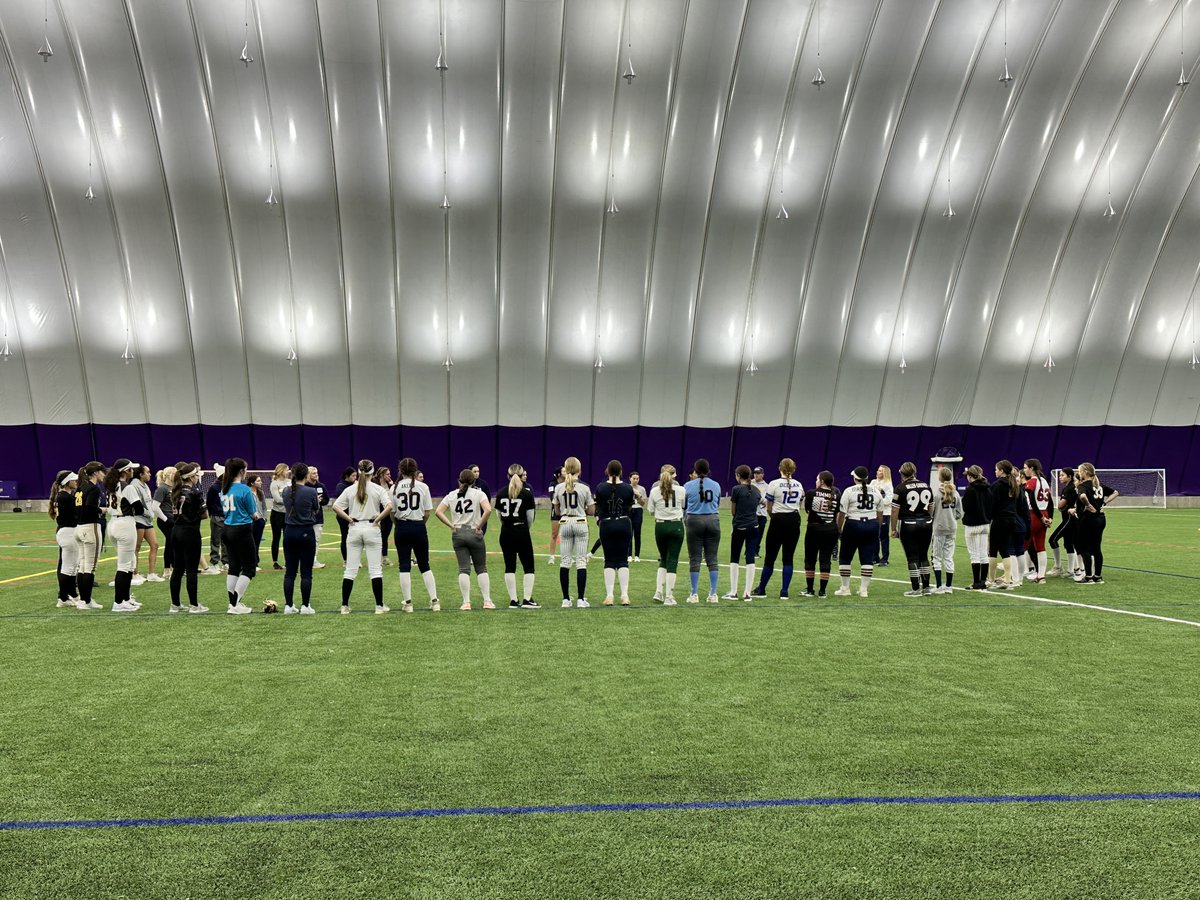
[
  {"x": 514, "y": 511},
  {"x": 821, "y": 505},
  {"x": 613, "y": 500},
  {"x": 65, "y": 513},
  {"x": 745, "y": 500},
  {"x": 1090, "y": 494},
  {"x": 1068, "y": 495},
  {"x": 88, "y": 499},
  {"x": 912, "y": 502},
  {"x": 189, "y": 507}
]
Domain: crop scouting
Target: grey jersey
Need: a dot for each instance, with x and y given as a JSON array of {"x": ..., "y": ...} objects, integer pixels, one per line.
[
  {"x": 572, "y": 504},
  {"x": 946, "y": 515}
]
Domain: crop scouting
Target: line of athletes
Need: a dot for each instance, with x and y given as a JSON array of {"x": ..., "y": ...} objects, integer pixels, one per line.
[{"x": 1007, "y": 519}]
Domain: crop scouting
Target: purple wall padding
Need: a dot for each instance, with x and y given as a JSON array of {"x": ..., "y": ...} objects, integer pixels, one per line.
[{"x": 32, "y": 454}]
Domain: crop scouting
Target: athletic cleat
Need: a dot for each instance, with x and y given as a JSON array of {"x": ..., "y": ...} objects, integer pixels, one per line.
[
  {"x": 625, "y": 601},
  {"x": 466, "y": 607},
  {"x": 658, "y": 597},
  {"x": 152, "y": 577},
  {"x": 912, "y": 593},
  {"x": 63, "y": 604},
  {"x": 530, "y": 604},
  {"x": 488, "y": 604},
  {"x": 195, "y": 610},
  {"x": 1082, "y": 579},
  {"x": 783, "y": 597},
  {"x": 124, "y": 607},
  {"x": 842, "y": 592},
  {"x": 307, "y": 611},
  {"x": 669, "y": 601},
  {"x": 732, "y": 595},
  {"x": 582, "y": 604},
  {"x": 550, "y": 560},
  {"x": 318, "y": 565},
  {"x": 808, "y": 593},
  {"x": 713, "y": 598},
  {"x": 406, "y": 606},
  {"x": 91, "y": 604},
  {"x": 211, "y": 570},
  {"x": 747, "y": 597},
  {"x": 758, "y": 593},
  {"x": 380, "y": 609},
  {"x": 277, "y": 566},
  {"x": 862, "y": 594},
  {"x": 637, "y": 559},
  {"x": 566, "y": 604},
  {"x": 926, "y": 591},
  {"x": 434, "y": 606},
  {"x": 345, "y": 610},
  {"x": 238, "y": 610},
  {"x": 138, "y": 580},
  {"x": 1096, "y": 579},
  {"x": 692, "y": 598},
  {"x": 174, "y": 608},
  {"x": 114, "y": 584},
  {"x": 629, "y": 559},
  {"x": 608, "y": 601},
  {"x": 290, "y": 611},
  {"x": 514, "y": 604}
]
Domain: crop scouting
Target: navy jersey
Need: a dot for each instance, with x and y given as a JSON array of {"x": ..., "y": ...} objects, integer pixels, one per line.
[
  {"x": 613, "y": 500},
  {"x": 514, "y": 511},
  {"x": 912, "y": 501},
  {"x": 745, "y": 499}
]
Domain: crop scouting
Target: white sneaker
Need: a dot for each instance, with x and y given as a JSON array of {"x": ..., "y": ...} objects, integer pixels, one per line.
[
  {"x": 637, "y": 559},
  {"x": 747, "y": 598},
  {"x": 380, "y": 610},
  {"x": 658, "y": 597},
  {"x": 63, "y": 604},
  {"x": 157, "y": 579},
  {"x": 406, "y": 606},
  {"x": 211, "y": 570},
  {"x": 669, "y": 601},
  {"x": 629, "y": 559},
  {"x": 345, "y": 610},
  {"x": 195, "y": 610},
  {"x": 732, "y": 595},
  {"x": 123, "y": 607},
  {"x": 713, "y": 598},
  {"x": 307, "y": 611},
  {"x": 1054, "y": 572},
  {"x": 318, "y": 565},
  {"x": 112, "y": 584},
  {"x": 488, "y": 604},
  {"x": 435, "y": 606},
  {"x": 173, "y": 609},
  {"x": 240, "y": 610},
  {"x": 916, "y": 593},
  {"x": 91, "y": 604},
  {"x": 134, "y": 603},
  {"x": 466, "y": 607},
  {"x": 137, "y": 580},
  {"x": 842, "y": 592},
  {"x": 862, "y": 593},
  {"x": 692, "y": 598},
  {"x": 291, "y": 611},
  {"x": 566, "y": 604},
  {"x": 550, "y": 560},
  {"x": 946, "y": 589},
  {"x": 582, "y": 604}
]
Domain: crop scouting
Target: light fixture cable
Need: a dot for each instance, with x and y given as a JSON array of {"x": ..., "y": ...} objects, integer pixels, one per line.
[{"x": 819, "y": 78}]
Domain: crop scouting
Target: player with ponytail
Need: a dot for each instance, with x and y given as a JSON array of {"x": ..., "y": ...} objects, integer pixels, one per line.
[
  {"x": 413, "y": 504},
  {"x": 573, "y": 504},
  {"x": 516, "y": 508},
  {"x": 362, "y": 506}
]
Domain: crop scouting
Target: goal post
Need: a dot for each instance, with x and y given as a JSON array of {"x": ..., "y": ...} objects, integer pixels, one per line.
[{"x": 1139, "y": 488}]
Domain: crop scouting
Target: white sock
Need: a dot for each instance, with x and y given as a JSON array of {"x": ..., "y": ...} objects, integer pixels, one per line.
[
  {"x": 669, "y": 581},
  {"x": 864, "y": 583},
  {"x": 1057, "y": 557},
  {"x": 1041, "y": 558},
  {"x": 510, "y": 582},
  {"x": 430, "y": 584},
  {"x": 610, "y": 576},
  {"x": 230, "y": 584},
  {"x": 1014, "y": 570},
  {"x": 243, "y": 582},
  {"x": 749, "y": 578},
  {"x": 623, "y": 580},
  {"x": 660, "y": 579},
  {"x": 464, "y": 586},
  {"x": 406, "y": 586},
  {"x": 485, "y": 585},
  {"x": 527, "y": 584},
  {"x": 733, "y": 578},
  {"x": 845, "y": 579}
]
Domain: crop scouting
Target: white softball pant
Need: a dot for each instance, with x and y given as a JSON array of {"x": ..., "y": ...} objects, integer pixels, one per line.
[
  {"x": 123, "y": 531},
  {"x": 364, "y": 537},
  {"x": 573, "y": 544},
  {"x": 89, "y": 539},
  {"x": 977, "y": 542},
  {"x": 942, "y": 552},
  {"x": 65, "y": 538}
]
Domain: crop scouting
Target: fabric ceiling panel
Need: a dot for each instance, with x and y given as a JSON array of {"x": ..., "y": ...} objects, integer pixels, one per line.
[
  {"x": 1063, "y": 186},
  {"x": 639, "y": 133},
  {"x": 350, "y": 42},
  {"x": 195, "y": 191},
  {"x": 532, "y": 37},
  {"x": 243, "y": 131},
  {"x": 592, "y": 34},
  {"x": 414, "y": 110},
  {"x": 473, "y": 140},
  {"x": 738, "y": 209},
  {"x": 895, "y": 34},
  {"x": 701, "y": 91}
]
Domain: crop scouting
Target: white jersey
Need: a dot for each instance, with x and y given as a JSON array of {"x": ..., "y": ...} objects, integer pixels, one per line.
[
  {"x": 130, "y": 494},
  {"x": 572, "y": 504},
  {"x": 887, "y": 493},
  {"x": 761, "y": 487},
  {"x": 786, "y": 495},
  {"x": 669, "y": 510},
  {"x": 376, "y": 502},
  {"x": 1039, "y": 495},
  {"x": 466, "y": 510},
  {"x": 861, "y": 501},
  {"x": 414, "y": 508}
]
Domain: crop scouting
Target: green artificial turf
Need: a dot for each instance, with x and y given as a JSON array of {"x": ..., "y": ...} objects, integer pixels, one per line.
[{"x": 148, "y": 715}]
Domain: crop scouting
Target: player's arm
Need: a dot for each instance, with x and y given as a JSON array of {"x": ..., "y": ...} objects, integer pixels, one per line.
[
  {"x": 486, "y": 507},
  {"x": 341, "y": 506},
  {"x": 441, "y": 514}
]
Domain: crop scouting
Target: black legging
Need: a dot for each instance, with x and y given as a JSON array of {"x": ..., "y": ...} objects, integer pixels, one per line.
[
  {"x": 299, "y": 551},
  {"x": 915, "y": 538},
  {"x": 819, "y": 543},
  {"x": 185, "y": 541},
  {"x": 168, "y": 547},
  {"x": 635, "y": 519},
  {"x": 516, "y": 543},
  {"x": 1089, "y": 535},
  {"x": 1065, "y": 532},
  {"x": 277, "y": 520},
  {"x": 783, "y": 533},
  {"x": 344, "y": 528},
  {"x": 385, "y": 532}
]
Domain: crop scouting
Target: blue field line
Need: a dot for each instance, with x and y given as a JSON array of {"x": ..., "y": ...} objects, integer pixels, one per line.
[{"x": 576, "y": 808}]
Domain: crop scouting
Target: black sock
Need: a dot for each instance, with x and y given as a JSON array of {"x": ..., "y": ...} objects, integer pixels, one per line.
[
  {"x": 581, "y": 581},
  {"x": 62, "y": 586},
  {"x": 949, "y": 579},
  {"x": 123, "y": 587},
  {"x": 72, "y": 586},
  {"x": 232, "y": 598},
  {"x": 916, "y": 581},
  {"x": 564, "y": 578},
  {"x": 377, "y": 590},
  {"x": 937, "y": 575},
  {"x": 347, "y": 587},
  {"x": 86, "y": 581}
]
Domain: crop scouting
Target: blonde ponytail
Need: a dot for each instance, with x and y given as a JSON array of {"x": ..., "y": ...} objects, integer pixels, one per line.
[
  {"x": 515, "y": 484},
  {"x": 571, "y": 470},
  {"x": 946, "y": 479},
  {"x": 666, "y": 481}
]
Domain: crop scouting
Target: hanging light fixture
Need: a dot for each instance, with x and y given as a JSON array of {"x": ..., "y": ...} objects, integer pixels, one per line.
[
  {"x": 127, "y": 353},
  {"x": 628, "y": 74},
  {"x": 1006, "y": 79},
  {"x": 782, "y": 215},
  {"x": 448, "y": 363},
  {"x": 445, "y": 204},
  {"x": 245, "y": 58},
  {"x": 613, "y": 209},
  {"x": 441, "y": 65},
  {"x": 1183, "y": 79},
  {"x": 271, "y": 200},
  {"x": 1049, "y": 364},
  {"x": 903, "y": 361},
  {"x": 819, "y": 78},
  {"x": 948, "y": 212},
  {"x": 1109, "y": 212},
  {"x": 45, "y": 51},
  {"x": 598, "y": 365},
  {"x": 291, "y": 356},
  {"x": 752, "y": 369},
  {"x": 89, "y": 195},
  {"x": 1195, "y": 360},
  {"x": 6, "y": 353}
]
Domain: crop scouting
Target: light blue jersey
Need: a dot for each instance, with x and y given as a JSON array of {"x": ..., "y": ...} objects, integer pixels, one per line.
[
  {"x": 239, "y": 504},
  {"x": 703, "y": 496}
]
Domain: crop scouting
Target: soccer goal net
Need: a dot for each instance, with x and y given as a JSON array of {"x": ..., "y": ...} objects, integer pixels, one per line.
[
  {"x": 1140, "y": 488},
  {"x": 208, "y": 478}
]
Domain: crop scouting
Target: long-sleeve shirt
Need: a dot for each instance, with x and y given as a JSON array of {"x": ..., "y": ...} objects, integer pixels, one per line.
[
  {"x": 277, "y": 494},
  {"x": 212, "y": 501},
  {"x": 946, "y": 514},
  {"x": 977, "y": 503}
]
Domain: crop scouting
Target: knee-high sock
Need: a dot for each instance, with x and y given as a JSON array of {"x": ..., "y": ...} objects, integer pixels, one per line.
[
  {"x": 712, "y": 580},
  {"x": 937, "y": 576},
  {"x": 231, "y": 589},
  {"x": 695, "y": 576},
  {"x": 991, "y": 568},
  {"x": 749, "y": 576},
  {"x": 733, "y": 577},
  {"x": 347, "y": 590},
  {"x": 1041, "y": 562},
  {"x": 1057, "y": 556},
  {"x": 660, "y": 578},
  {"x": 669, "y": 582},
  {"x": 62, "y": 586},
  {"x": 581, "y": 581},
  {"x": 913, "y": 577},
  {"x": 430, "y": 584},
  {"x": 527, "y": 586},
  {"x": 767, "y": 572},
  {"x": 623, "y": 581},
  {"x": 610, "y": 577},
  {"x": 844, "y": 576},
  {"x": 87, "y": 581},
  {"x": 787, "y": 579},
  {"x": 1014, "y": 567},
  {"x": 564, "y": 579},
  {"x": 485, "y": 585},
  {"x": 510, "y": 583},
  {"x": 406, "y": 586},
  {"x": 464, "y": 586},
  {"x": 377, "y": 590},
  {"x": 864, "y": 581}
]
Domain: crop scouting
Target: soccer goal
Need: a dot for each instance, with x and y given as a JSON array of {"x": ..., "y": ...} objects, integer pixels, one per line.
[
  {"x": 1140, "y": 488},
  {"x": 208, "y": 478}
]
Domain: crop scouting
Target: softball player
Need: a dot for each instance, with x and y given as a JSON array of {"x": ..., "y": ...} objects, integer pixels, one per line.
[
  {"x": 554, "y": 518},
  {"x": 89, "y": 508},
  {"x": 62, "y": 511},
  {"x": 124, "y": 502},
  {"x": 573, "y": 504},
  {"x": 280, "y": 479},
  {"x": 314, "y": 480},
  {"x": 883, "y": 484},
  {"x": 240, "y": 507},
  {"x": 977, "y": 525},
  {"x": 301, "y": 508},
  {"x": 785, "y": 497},
  {"x": 913, "y": 524},
  {"x": 1004, "y": 492},
  {"x": 744, "y": 499},
  {"x": 144, "y": 523},
  {"x": 947, "y": 510},
  {"x": 1093, "y": 496},
  {"x": 614, "y": 501},
  {"x": 411, "y": 505},
  {"x": 164, "y": 481},
  {"x": 665, "y": 504},
  {"x": 821, "y": 535},
  {"x": 470, "y": 511},
  {"x": 516, "y": 508},
  {"x": 1065, "y": 532},
  {"x": 703, "y": 529},
  {"x": 860, "y": 516},
  {"x": 1041, "y": 514},
  {"x": 363, "y": 505},
  {"x": 188, "y": 510}
]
